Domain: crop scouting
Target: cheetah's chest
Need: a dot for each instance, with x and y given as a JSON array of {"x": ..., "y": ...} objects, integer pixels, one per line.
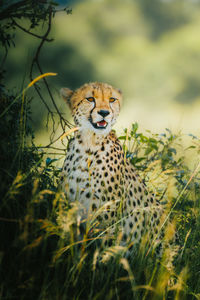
[
  {"x": 94, "y": 177},
  {"x": 108, "y": 187}
]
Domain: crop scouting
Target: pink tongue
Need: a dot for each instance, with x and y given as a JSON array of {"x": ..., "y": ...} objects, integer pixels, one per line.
[{"x": 102, "y": 123}]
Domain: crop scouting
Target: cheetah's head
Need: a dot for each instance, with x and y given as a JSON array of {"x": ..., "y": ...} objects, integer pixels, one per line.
[{"x": 94, "y": 106}]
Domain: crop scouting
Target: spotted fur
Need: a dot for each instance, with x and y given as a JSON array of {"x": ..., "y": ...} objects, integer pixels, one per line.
[{"x": 96, "y": 171}]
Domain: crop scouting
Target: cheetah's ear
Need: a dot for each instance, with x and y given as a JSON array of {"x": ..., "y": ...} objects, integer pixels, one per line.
[
  {"x": 119, "y": 91},
  {"x": 66, "y": 94}
]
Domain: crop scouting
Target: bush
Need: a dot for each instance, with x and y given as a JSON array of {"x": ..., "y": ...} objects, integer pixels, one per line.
[{"x": 40, "y": 255}]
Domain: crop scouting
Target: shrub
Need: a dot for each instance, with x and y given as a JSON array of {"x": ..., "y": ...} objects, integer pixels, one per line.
[{"x": 41, "y": 258}]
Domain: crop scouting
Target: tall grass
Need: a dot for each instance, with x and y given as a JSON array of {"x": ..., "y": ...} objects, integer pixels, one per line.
[{"x": 43, "y": 253}]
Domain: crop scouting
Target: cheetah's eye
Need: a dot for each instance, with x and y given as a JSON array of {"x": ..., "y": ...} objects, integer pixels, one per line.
[
  {"x": 90, "y": 99},
  {"x": 112, "y": 99}
]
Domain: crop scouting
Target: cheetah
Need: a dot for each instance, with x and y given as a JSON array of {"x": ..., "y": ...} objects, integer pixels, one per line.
[{"x": 96, "y": 171}]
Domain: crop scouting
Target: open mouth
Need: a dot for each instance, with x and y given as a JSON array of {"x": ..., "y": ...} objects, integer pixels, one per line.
[{"x": 100, "y": 125}]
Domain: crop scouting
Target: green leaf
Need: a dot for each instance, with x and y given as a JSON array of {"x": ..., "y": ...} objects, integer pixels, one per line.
[
  {"x": 134, "y": 127},
  {"x": 172, "y": 150},
  {"x": 148, "y": 150}
]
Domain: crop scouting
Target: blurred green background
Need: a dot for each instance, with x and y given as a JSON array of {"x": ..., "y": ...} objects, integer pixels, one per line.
[{"x": 148, "y": 49}]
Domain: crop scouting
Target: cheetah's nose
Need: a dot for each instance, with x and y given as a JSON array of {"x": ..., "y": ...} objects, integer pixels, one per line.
[{"x": 103, "y": 113}]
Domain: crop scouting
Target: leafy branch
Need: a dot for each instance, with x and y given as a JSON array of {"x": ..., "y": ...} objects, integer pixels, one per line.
[{"x": 36, "y": 12}]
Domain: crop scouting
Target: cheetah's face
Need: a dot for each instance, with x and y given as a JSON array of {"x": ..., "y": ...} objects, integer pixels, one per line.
[{"x": 94, "y": 106}]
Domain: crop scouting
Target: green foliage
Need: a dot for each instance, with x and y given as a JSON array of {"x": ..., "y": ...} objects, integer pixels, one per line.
[
  {"x": 36, "y": 12},
  {"x": 41, "y": 256},
  {"x": 112, "y": 41},
  {"x": 144, "y": 149},
  {"x": 42, "y": 252},
  {"x": 164, "y": 15}
]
